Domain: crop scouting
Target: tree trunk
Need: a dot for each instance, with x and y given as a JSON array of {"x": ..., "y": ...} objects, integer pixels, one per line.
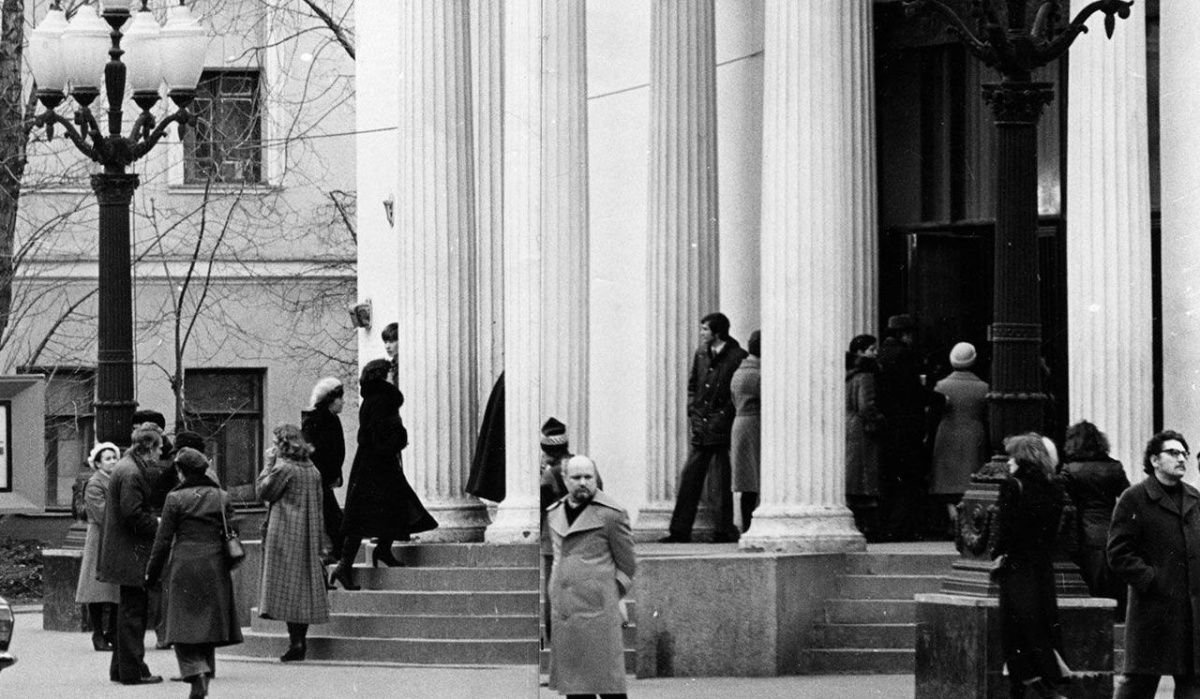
[{"x": 13, "y": 138}]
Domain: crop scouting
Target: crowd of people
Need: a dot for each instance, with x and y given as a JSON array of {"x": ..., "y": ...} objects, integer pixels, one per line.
[{"x": 160, "y": 550}]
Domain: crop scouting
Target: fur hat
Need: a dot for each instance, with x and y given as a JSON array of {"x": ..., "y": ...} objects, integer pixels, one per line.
[
  {"x": 190, "y": 461},
  {"x": 99, "y": 449},
  {"x": 901, "y": 322},
  {"x": 322, "y": 390},
  {"x": 554, "y": 435},
  {"x": 189, "y": 439},
  {"x": 962, "y": 356}
]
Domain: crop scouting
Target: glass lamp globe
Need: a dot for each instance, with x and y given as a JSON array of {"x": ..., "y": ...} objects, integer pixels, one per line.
[
  {"x": 45, "y": 52},
  {"x": 143, "y": 53},
  {"x": 85, "y": 44},
  {"x": 184, "y": 44}
]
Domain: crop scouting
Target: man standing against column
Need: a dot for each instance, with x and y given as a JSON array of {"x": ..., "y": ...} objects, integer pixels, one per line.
[
  {"x": 1154, "y": 546},
  {"x": 710, "y": 420}
]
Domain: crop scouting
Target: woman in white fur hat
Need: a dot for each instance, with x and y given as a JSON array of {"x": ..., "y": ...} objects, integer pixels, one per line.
[
  {"x": 961, "y": 445},
  {"x": 99, "y": 597}
]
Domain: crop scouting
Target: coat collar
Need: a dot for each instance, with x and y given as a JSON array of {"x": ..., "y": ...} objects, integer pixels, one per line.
[
  {"x": 1156, "y": 493},
  {"x": 587, "y": 520}
]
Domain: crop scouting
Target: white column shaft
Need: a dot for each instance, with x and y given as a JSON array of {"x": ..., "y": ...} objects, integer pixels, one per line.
[
  {"x": 564, "y": 189},
  {"x": 435, "y": 224},
  {"x": 682, "y": 261},
  {"x": 814, "y": 61},
  {"x": 1179, "y": 102},
  {"x": 1108, "y": 238},
  {"x": 863, "y": 229}
]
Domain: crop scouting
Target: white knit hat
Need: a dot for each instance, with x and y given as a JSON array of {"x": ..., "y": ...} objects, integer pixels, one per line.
[
  {"x": 962, "y": 356},
  {"x": 99, "y": 449},
  {"x": 323, "y": 388}
]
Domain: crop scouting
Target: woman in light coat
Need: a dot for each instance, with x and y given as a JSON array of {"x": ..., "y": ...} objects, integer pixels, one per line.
[
  {"x": 293, "y": 585},
  {"x": 961, "y": 445},
  {"x": 189, "y": 556},
  {"x": 746, "y": 440},
  {"x": 100, "y": 598}
]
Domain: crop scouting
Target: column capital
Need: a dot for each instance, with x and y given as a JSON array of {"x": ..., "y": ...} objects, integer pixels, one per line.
[{"x": 1018, "y": 102}]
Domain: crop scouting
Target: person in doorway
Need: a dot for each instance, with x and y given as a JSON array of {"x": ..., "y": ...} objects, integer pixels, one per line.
[
  {"x": 1154, "y": 546},
  {"x": 864, "y": 426},
  {"x": 293, "y": 582},
  {"x": 101, "y": 598},
  {"x": 710, "y": 421},
  {"x": 129, "y": 529},
  {"x": 391, "y": 344},
  {"x": 902, "y": 399},
  {"x": 323, "y": 431},
  {"x": 746, "y": 437},
  {"x": 593, "y": 569},
  {"x": 960, "y": 446}
]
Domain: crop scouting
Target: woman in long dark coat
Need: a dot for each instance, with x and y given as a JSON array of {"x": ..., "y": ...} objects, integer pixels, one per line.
[
  {"x": 202, "y": 614},
  {"x": 1028, "y": 514},
  {"x": 864, "y": 431},
  {"x": 293, "y": 580},
  {"x": 1094, "y": 480},
  {"x": 323, "y": 431},
  {"x": 379, "y": 500}
]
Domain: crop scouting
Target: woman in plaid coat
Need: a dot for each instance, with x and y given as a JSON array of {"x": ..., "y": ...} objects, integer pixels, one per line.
[{"x": 293, "y": 584}]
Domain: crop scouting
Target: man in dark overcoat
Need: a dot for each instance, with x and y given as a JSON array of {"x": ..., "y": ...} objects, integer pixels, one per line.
[
  {"x": 710, "y": 421},
  {"x": 594, "y": 565},
  {"x": 902, "y": 398},
  {"x": 129, "y": 529},
  {"x": 1154, "y": 546}
]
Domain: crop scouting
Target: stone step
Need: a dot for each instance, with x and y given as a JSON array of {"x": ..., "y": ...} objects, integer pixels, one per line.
[
  {"x": 859, "y": 661},
  {"x": 407, "y": 651},
  {"x": 415, "y": 626},
  {"x": 874, "y": 611},
  {"x": 447, "y": 578},
  {"x": 864, "y": 635},
  {"x": 464, "y": 555},
  {"x": 886, "y": 586},
  {"x": 900, "y": 563},
  {"x": 456, "y": 602}
]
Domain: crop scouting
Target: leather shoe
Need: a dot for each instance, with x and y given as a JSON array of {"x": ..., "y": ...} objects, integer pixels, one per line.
[
  {"x": 725, "y": 538},
  {"x": 675, "y": 539},
  {"x": 147, "y": 679}
]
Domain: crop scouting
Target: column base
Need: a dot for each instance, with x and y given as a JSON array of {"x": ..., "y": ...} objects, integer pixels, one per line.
[
  {"x": 459, "y": 521},
  {"x": 654, "y": 522},
  {"x": 803, "y": 530},
  {"x": 515, "y": 523}
]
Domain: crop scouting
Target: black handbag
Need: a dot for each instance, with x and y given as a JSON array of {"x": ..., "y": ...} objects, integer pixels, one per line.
[{"x": 234, "y": 551}]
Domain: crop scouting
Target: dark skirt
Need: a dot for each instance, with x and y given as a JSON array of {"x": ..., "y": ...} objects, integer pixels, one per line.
[
  {"x": 199, "y": 595},
  {"x": 381, "y": 503},
  {"x": 1029, "y": 626}
]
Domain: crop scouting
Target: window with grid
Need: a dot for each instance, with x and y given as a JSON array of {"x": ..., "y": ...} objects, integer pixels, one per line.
[
  {"x": 225, "y": 406},
  {"x": 70, "y": 428},
  {"x": 224, "y": 142}
]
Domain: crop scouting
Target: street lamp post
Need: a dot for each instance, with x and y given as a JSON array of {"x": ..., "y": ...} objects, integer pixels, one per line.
[
  {"x": 1014, "y": 37},
  {"x": 65, "y": 57}
]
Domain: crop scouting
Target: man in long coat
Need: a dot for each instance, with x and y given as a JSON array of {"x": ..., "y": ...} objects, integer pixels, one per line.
[
  {"x": 129, "y": 529},
  {"x": 1154, "y": 546},
  {"x": 593, "y": 568}
]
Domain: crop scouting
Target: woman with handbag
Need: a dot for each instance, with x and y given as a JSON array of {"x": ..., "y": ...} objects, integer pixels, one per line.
[
  {"x": 379, "y": 500},
  {"x": 191, "y": 557},
  {"x": 293, "y": 578},
  {"x": 1029, "y": 510}
]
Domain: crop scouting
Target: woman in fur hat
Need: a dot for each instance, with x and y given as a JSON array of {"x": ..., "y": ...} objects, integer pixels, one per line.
[
  {"x": 99, "y": 597},
  {"x": 323, "y": 431}
]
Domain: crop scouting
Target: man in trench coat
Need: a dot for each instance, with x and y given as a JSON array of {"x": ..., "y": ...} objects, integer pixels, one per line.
[
  {"x": 1154, "y": 546},
  {"x": 593, "y": 569}
]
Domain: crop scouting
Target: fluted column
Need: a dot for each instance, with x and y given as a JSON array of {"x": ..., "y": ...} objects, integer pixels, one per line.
[
  {"x": 1179, "y": 52},
  {"x": 1109, "y": 346},
  {"x": 862, "y": 292},
  {"x": 813, "y": 63},
  {"x": 435, "y": 224},
  {"x": 564, "y": 186},
  {"x": 487, "y": 119},
  {"x": 681, "y": 271}
]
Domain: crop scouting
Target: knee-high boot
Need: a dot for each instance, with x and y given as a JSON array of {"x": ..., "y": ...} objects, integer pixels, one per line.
[
  {"x": 344, "y": 572},
  {"x": 298, "y": 645}
]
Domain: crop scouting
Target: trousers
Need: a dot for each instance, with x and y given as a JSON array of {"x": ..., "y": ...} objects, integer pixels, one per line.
[
  {"x": 700, "y": 459},
  {"x": 129, "y": 651}
]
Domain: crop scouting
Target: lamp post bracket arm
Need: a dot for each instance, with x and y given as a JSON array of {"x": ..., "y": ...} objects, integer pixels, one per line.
[
  {"x": 47, "y": 119},
  {"x": 979, "y": 48},
  {"x": 1111, "y": 9}
]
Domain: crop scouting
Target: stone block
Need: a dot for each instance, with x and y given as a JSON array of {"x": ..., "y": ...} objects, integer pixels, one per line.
[
  {"x": 960, "y": 653},
  {"x": 730, "y": 615},
  {"x": 60, "y": 574}
]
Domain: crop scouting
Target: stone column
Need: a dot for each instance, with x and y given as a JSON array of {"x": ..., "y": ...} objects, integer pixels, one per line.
[
  {"x": 1109, "y": 346},
  {"x": 487, "y": 117},
  {"x": 682, "y": 277},
  {"x": 814, "y": 63},
  {"x": 862, "y": 294},
  {"x": 435, "y": 224},
  {"x": 564, "y": 187},
  {"x": 1180, "y": 153}
]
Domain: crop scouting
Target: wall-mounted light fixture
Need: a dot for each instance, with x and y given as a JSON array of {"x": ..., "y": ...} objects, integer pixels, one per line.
[
  {"x": 360, "y": 314},
  {"x": 389, "y": 208}
]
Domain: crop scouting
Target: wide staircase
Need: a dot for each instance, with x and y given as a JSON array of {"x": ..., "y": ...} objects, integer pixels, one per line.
[
  {"x": 452, "y": 604},
  {"x": 869, "y": 625}
]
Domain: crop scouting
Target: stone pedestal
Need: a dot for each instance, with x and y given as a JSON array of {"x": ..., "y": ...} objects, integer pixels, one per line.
[
  {"x": 959, "y": 650},
  {"x": 60, "y": 575}
]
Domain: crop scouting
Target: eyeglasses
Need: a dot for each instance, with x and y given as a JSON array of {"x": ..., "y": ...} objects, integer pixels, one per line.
[{"x": 1177, "y": 453}]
